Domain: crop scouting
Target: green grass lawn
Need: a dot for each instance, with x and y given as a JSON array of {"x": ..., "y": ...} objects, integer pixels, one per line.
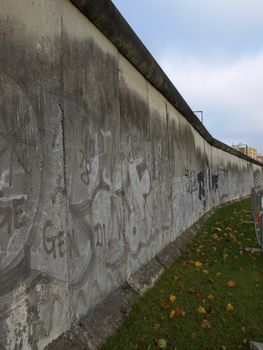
[{"x": 211, "y": 298}]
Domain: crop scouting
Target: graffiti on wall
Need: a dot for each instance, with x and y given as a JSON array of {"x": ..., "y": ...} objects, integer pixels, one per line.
[
  {"x": 191, "y": 180},
  {"x": 20, "y": 151},
  {"x": 109, "y": 192},
  {"x": 203, "y": 182}
]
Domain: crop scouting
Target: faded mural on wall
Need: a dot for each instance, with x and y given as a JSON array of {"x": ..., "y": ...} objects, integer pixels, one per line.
[
  {"x": 111, "y": 205},
  {"x": 20, "y": 150}
]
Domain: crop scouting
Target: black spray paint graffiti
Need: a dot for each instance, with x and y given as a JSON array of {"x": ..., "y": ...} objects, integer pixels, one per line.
[
  {"x": 201, "y": 192},
  {"x": 191, "y": 180},
  {"x": 217, "y": 182},
  {"x": 214, "y": 182},
  {"x": 195, "y": 183},
  {"x": 55, "y": 244}
]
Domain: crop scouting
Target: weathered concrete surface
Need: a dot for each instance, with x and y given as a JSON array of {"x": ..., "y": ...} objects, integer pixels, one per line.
[
  {"x": 94, "y": 328},
  {"x": 145, "y": 278},
  {"x": 168, "y": 255},
  {"x": 99, "y": 171},
  {"x": 106, "y": 17},
  {"x": 256, "y": 346}
]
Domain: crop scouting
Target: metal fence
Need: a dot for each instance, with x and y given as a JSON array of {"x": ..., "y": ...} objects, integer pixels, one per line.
[{"x": 257, "y": 211}]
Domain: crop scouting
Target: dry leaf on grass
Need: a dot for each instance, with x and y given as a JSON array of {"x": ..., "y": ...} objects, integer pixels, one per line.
[
  {"x": 229, "y": 308},
  {"x": 198, "y": 264},
  {"x": 205, "y": 324},
  {"x": 210, "y": 297},
  {"x": 201, "y": 310},
  {"x": 177, "y": 312},
  {"x": 231, "y": 284},
  {"x": 172, "y": 298},
  {"x": 162, "y": 343}
]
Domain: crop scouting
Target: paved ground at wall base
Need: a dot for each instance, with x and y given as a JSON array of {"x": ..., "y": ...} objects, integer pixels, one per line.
[{"x": 93, "y": 329}]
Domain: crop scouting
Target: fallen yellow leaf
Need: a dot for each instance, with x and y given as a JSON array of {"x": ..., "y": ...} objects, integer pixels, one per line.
[
  {"x": 229, "y": 308},
  {"x": 172, "y": 298},
  {"x": 198, "y": 264},
  {"x": 231, "y": 284},
  {"x": 201, "y": 310},
  {"x": 162, "y": 344},
  {"x": 210, "y": 297},
  {"x": 172, "y": 314}
]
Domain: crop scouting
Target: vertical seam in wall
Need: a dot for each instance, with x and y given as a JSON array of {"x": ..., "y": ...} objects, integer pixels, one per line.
[
  {"x": 122, "y": 181},
  {"x": 207, "y": 168},
  {"x": 168, "y": 138},
  {"x": 169, "y": 169},
  {"x": 148, "y": 113},
  {"x": 64, "y": 160},
  {"x": 62, "y": 106}
]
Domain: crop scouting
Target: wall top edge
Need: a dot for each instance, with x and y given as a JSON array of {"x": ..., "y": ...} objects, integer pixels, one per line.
[{"x": 109, "y": 21}]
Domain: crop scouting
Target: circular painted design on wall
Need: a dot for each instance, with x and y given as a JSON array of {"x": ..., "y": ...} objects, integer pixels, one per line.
[{"x": 20, "y": 171}]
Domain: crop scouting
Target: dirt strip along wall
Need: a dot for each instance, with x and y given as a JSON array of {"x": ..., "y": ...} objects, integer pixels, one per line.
[{"x": 98, "y": 171}]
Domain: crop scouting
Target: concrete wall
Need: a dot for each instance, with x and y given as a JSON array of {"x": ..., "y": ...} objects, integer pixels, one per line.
[{"x": 98, "y": 170}]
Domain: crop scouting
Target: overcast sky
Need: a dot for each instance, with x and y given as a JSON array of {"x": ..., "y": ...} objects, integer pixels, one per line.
[{"x": 213, "y": 53}]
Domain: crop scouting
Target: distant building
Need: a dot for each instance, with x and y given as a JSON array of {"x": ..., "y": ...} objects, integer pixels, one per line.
[
  {"x": 249, "y": 151},
  {"x": 260, "y": 158}
]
